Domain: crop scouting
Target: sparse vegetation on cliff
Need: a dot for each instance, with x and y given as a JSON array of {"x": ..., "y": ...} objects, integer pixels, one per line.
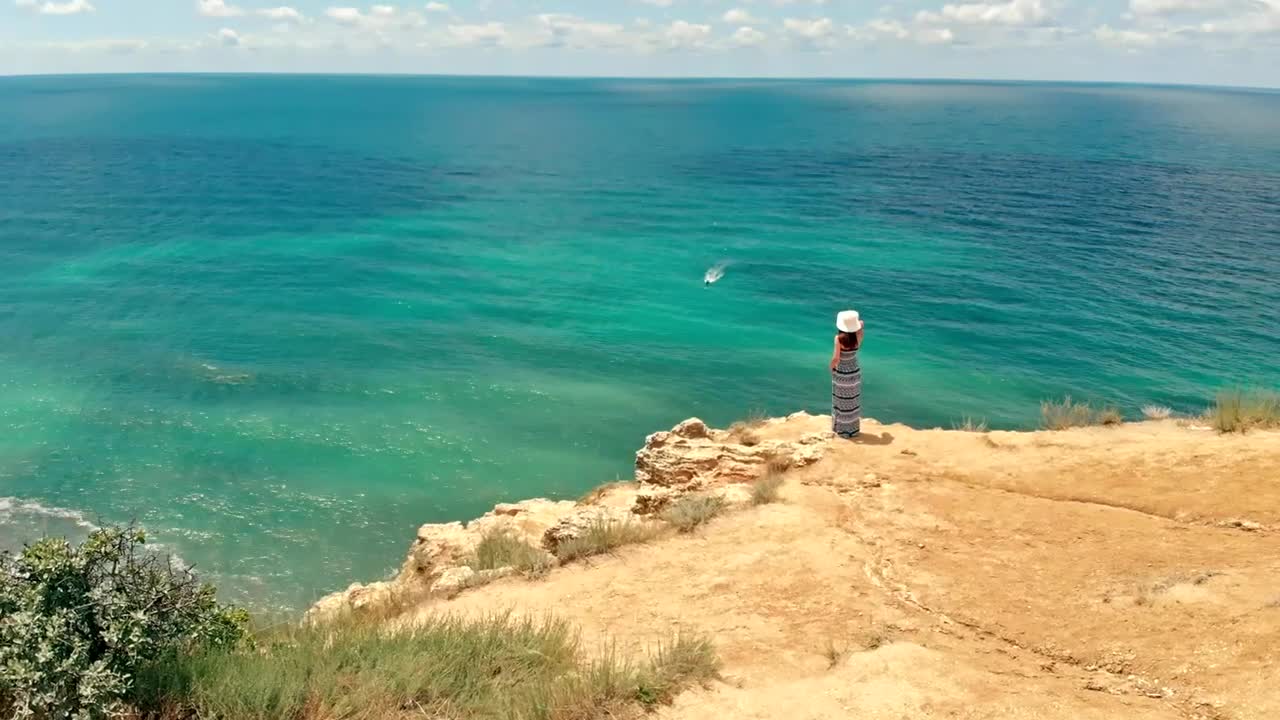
[
  {"x": 692, "y": 511},
  {"x": 605, "y": 536},
  {"x": 1243, "y": 410},
  {"x": 765, "y": 490},
  {"x": 970, "y": 424},
  {"x": 501, "y": 548},
  {"x": 107, "y": 630},
  {"x": 488, "y": 668},
  {"x": 1064, "y": 414},
  {"x": 746, "y": 431}
]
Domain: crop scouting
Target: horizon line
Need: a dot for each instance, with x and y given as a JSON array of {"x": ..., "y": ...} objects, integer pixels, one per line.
[{"x": 661, "y": 78}]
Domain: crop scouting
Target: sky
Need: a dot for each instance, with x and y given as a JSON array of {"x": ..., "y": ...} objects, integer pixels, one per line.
[{"x": 1214, "y": 42}]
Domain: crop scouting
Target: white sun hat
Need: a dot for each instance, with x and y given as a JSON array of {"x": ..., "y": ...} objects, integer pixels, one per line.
[{"x": 848, "y": 321}]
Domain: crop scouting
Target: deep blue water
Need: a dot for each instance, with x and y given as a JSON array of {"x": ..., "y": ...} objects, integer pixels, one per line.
[{"x": 283, "y": 320}]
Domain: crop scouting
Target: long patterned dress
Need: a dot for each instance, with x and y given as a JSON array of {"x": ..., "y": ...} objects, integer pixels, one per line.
[{"x": 846, "y": 395}]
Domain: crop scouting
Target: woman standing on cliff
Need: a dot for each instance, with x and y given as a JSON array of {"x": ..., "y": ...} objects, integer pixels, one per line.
[{"x": 846, "y": 376}]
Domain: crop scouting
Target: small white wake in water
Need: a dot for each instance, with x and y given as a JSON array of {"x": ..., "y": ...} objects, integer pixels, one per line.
[
  {"x": 714, "y": 273},
  {"x": 26, "y": 521}
]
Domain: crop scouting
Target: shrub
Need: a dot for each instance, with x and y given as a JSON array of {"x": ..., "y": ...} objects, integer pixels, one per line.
[
  {"x": 691, "y": 511},
  {"x": 1066, "y": 414},
  {"x": 779, "y": 463},
  {"x": 78, "y": 622},
  {"x": 494, "y": 667},
  {"x": 765, "y": 490},
  {"x": 605, "y": 536},
  {"x": 1242, "y": 410},
  {"x": 745, "y": 432},
  {"x": 1156, "y": 412},
  {"x": 1110, "y": 416},
  {"x": 969, "y": 424},
  {"x": 595, "y": 494},
  {"x": 503, "y": 548}
]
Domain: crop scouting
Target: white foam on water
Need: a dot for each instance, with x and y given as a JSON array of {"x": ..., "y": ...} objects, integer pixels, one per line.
[
  {"x": 715, "y": 272},
  {"x": 30, "y": 520},
  {"x": 9, "y": 506}
]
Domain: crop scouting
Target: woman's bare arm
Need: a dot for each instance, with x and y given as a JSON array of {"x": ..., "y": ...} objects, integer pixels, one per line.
[{"x": 835, "y": 353}]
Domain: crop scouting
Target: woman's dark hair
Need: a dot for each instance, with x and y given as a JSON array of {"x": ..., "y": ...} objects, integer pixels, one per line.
[{"x": 848, "y": 341}]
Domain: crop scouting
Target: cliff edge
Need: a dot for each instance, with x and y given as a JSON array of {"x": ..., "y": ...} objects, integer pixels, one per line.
[{"x": 1106, "y": 572}]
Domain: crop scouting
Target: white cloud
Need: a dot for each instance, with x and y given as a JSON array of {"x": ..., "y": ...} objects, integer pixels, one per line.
[
  {"x": 114, "y": 46},
  {"x": 1124, "y": 38},
  {"x": 1262, "y": 18},
  {"x": 1227, "y": 17},
  {"x": 437, "y": 7},
  {"x": 229, "y": 37},
  {"x": 684, "y": 35},
  {"x": 70, "y": 7},
  {"x": 1171, "y": 7},
  {"x": 344, "y": 15},
  {"x": 747, "y": 37},
  {"x": 1013, "y": 12},
  {"x": 383, "y": 10},
  {"x": 738, "y": 16},
  {"x": 283, "y": 14},
  {"x": 483, "y": 35},
  {"x": 218, "y": 8},
  {"x": 882, "y": 29},
  {"x": 557, "y": 30},
  {"x": 934, "y": 36},
  {"x": 659, "y": 3},
  {"x": 815, "y": 33}
]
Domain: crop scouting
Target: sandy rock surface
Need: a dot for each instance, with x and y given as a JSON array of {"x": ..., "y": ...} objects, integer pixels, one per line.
[{"x": 1092, "y": 574}]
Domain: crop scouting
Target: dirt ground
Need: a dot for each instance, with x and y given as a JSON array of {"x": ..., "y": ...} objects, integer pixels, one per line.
[{"x": 1126, "y": 572}]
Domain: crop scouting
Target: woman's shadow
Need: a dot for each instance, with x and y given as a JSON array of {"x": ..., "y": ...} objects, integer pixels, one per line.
[{"x": 872, "y": 439}]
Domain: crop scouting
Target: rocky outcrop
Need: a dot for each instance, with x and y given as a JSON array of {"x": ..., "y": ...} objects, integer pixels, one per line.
[
  {"x": 579, "y": 521},
  {"x": 436, "y": 564},
  {"x": 690, "y": 457},
  {"x": 694, "y": 458}
]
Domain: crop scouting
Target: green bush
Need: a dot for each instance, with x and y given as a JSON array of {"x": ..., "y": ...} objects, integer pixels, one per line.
[{"x": 78, "y": 622}]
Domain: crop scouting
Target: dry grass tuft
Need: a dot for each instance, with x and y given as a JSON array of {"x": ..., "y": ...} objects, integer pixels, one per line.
[
  {"x": 1056, "y": 415},
  {"x": 875, "y": 638},
  {"x": 765, "y": 490},
  {"x": 834, "y": 653},
  {"x": 501, "y": 548},
  {"x": 676, "y": 665},
  {"x": 746, "y": 431},
  {"x": 1110, "y": 416},
  {"x": 692, "y": 511},
  {"x": 1244, "y": 410},
  {"x": 969, "y": 424},
  {"x": 593, "y": 496},
  {"x": 605, "y": 536},
  {"x": 495, "y": 667},
  {"x": 1157, "y": 412}
]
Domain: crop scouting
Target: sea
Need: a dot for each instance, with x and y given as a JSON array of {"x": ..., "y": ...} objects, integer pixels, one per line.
[{"x": 280, "y": 321}]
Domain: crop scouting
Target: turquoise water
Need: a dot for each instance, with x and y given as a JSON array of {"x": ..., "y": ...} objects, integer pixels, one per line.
[{"x": 282, "y": 321}]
